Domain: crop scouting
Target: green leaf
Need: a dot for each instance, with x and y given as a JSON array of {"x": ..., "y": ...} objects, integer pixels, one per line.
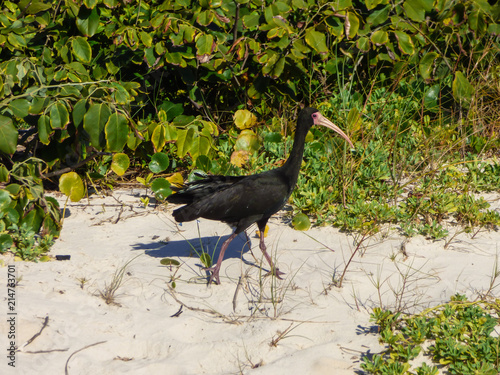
[
  {"x": 278, "y": 68},
  {"x": 170, "y": 133},
  {"x": 431, "y": 98},
  {"x": 301, "y": 222},
  {"x": 6, "y": 242},
  {"x": 184, "y": 141},
  {"x": 71, "y": 185},
  {"x": 363, "y": 44},
  {"x": 120, "y": 163},
  {"x": 462, "y": 89},
  {"x": 44, "y": 129},
  {"x": 172, "y": 110},
  {"x": 159, "y": 162},
  {"x": 415, "y": 9},
  {"x": 81, "y": 49},
  {"x": 37, "y": 105},
  {"x": 404, "y": 42},
  {"x": 316, "y": 40},
  {"x": 4, "y": 174},
  {"x": 8, "y": 135},
  {"x": 354, "y": 24},
  {"x": 199, "y": 146},
  {"x": 204, "y": 47},
  {"x": 206, "y": 260},
  {"x": 32, "y": 221},
  {"x": 370, "y": 4},
  {"x": 59, "y": 116},
  {"x": 426, "y": 64},
  {"x": 87, "y": 21},
  {"x": 204, "y": 163},
  {"x": 169, "y": 262},
  {"x": 79, "y": 111},
  {"x": 341, "y": 4},
  {"x": 12, "y": 215},
  {"x": 205, "y": 17},
  {"x": 158, "y": 138},
  {"x": 300, "y": 4},
  {"x": 379, "y": 37},
  {"x": 116, "y": 132},
  {"x": 477, "y": 22},
  {"x": 5, "y": 200},
  {"x": 247, "y": 141},
  {"x": 20, "y": 107},
  {"x": 94, "y": 122},
  {"x": 251, "y": 20},
  {"x": 34, "y": 6},
  {"x": 379, "y": 16},
  {"x": 161, "y": 188}
]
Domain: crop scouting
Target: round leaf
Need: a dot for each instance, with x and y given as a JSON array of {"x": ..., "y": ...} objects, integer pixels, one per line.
[
  {"x": 159, "y": 162},
  {"x": 379, "y": 37},
  {"x": 247, "y": 141},
  {"x": 244, "y": 119},
  {"x": 240, "y": 158},
  {"x": 161, "y": 188},
  {"x": 120, "y": 163},
  {"x": 301, "y": 222},
  {"x": 71, "y": 185}
]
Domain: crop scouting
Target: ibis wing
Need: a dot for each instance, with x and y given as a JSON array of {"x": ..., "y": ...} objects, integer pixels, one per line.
[
  {"x": 196, "y": 190},
  {"x": 249, "y": 199}
]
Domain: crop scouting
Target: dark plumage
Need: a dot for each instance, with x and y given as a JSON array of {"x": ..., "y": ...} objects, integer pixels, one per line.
[{"x": 243, "y": 200}]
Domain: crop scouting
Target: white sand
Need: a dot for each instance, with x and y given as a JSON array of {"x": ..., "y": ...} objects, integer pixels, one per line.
[{"x": 328, "y": 327}]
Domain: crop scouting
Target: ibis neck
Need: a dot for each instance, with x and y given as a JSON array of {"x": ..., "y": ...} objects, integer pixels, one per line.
[{"x": 291, "y": 168}]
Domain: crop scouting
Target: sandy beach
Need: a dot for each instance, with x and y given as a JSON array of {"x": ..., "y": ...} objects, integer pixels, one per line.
[{"x": 165, "y": 319}]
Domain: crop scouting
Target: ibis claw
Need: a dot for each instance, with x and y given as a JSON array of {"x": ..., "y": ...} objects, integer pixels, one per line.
[
  {"x": 214, "y": 277},
  {"x": 275, "y": 272}
]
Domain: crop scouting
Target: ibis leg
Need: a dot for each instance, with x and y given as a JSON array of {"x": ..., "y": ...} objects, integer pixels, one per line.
[
  {"x": 215, "y": 270},
  {"x": 274, "y": 271}
]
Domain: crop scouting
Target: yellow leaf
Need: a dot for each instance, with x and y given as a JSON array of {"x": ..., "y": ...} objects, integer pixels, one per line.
[
  {"x": 239, "y": 158},
  {"x": 176, "y": 179},
  {"x": 244, "y": 119}
]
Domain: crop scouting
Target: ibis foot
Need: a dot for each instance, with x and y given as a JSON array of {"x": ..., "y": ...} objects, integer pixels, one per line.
[
  {"x": 275, "y": 272},
  {"x": 214, "y": 277}
]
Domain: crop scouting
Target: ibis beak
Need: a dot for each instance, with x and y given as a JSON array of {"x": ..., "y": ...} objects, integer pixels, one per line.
[{"x": 321, "y": 120}]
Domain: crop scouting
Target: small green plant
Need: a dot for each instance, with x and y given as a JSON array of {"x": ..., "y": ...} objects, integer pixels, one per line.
[
  {"x": 28, "y": 245},
  {"x": 108, "y": 294},
  {"x": 459, "y": 333}
]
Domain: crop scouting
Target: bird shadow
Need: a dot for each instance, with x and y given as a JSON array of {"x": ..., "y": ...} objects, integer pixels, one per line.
[{"x": 194, "y": 247}]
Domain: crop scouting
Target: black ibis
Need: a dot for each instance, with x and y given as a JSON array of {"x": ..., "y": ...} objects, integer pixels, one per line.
[{"x": 241, "y": 201}]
